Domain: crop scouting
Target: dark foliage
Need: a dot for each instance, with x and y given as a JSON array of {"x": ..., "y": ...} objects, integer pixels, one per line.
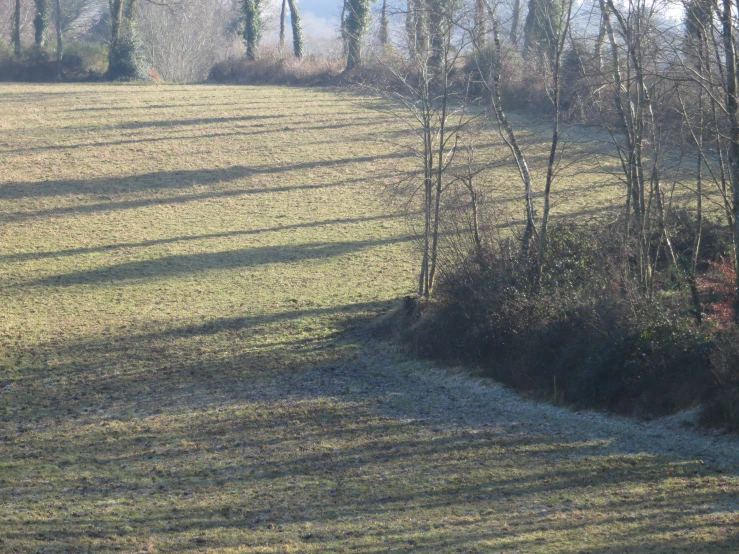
[
  {"x": 81, "y": 62},
  {"x": 585, "y": 339},
  {"x": 128, "y": 59}
]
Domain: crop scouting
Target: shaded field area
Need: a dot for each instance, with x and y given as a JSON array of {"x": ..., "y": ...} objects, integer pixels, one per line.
[{"x": 185, "y": 278}]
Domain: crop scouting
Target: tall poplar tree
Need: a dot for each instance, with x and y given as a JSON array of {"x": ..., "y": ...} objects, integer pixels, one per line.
[
  {"x": 41, "y": 21},
  {"x": 252, "y": 27},
  {"x": 297, "y": 29},
  {"x": 17, "y": 28},
  {"x": 356, "y": 26},
  {"x": 542, "y": 27}
]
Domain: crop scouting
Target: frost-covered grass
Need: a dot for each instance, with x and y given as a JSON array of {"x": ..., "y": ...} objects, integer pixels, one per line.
[{"x": 178, "y": 268}]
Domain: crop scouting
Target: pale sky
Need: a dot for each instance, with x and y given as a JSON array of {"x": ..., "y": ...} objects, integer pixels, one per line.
[{"x": 320, "y": 20}]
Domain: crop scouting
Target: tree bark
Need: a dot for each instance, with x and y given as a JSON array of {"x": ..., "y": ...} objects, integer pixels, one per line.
[
  {"x": 356, "y": 26},
  {"x": 41, "y": 21},
  {"x": 733, "y": 117},
  {"x": 384, "y": 24},
  {"x": 297, "y": 29},
  {"x": 251, "y": 28},
  {"x": 17, "y": 28},
  {"x": 59, "y": 44},
  {"x": 515, "y": 21},
  {"x": 283, "y": 14},
  {"x": 481, "y": 20}
]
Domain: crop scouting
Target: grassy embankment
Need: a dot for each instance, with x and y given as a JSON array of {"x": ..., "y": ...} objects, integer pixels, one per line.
[{"x": 177, "y": 265}]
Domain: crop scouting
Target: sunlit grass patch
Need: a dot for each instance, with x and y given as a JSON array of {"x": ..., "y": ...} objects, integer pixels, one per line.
[{"x": 178, "y": 270}]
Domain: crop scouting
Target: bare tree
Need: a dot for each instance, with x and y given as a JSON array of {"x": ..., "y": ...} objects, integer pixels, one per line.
[
  {"x": 510, "y": 136},
  {"x": 423, "y": 94},
  {"x": 184, "y": 41},
  {"x": 634, "y": 38},
  {"x": 731, "y": 71}
]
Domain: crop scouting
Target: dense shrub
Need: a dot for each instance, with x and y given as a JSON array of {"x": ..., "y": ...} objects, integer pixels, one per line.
[
  {"x": 722, "y": 401},
  {"x": 584, "y": 339},
  {"x": 85, "y": 60},
  {"x": 128, "y": 60},
  {"x": 81, "y": 62}
]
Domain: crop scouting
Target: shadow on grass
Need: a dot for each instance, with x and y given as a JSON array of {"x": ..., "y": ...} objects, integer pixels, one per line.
[
  {"x": 192, "y": 122},
  {"x": 256, "y": 129},
  {"x": 27, "y": 256},
  {"x": 169, "y": 200},
  {"x": 167, "y": 179},
  {"x": 170, "y": 266},
  {"x": 213, "y": 436}
]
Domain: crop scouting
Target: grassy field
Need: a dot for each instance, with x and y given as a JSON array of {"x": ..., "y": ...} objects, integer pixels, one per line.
[{"x": 184, "y": 274}]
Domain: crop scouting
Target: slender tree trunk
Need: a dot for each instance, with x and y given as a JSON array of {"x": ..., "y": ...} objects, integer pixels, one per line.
[
  {"x": 481, "y": 23},
  {"x": 297, "y": 29},
  {"x": 698, "y": 310},
  {"x": 384, "y": 24},
  {"x": 344, "y": 36},
  {"x": 41, "y": 21},
  {"x": 731, "y": 109},
  {"x": 599, "y": 43},
  {"x": 17, "y": 28},
  {"x": 283, "y": 14},
  {"x": 704, "y": 68},
  {"x": 557, "y": 90},
  {"x": 509, "y": 138},
  {"x": 439, "y": 176},
  {"x": 476, "y": 240},
  {"x": 116, "y": 21},
  {"x": 59, "y": 44},
  {"x": 515, "y": 21},
  {"x": 428, "y": 162}
]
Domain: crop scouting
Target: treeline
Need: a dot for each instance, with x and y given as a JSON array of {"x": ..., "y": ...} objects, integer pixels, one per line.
[{"x": 141, "y": 39}]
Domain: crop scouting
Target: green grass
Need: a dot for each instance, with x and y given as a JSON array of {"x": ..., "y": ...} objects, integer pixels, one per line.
[{"x": 178, "y": 270}]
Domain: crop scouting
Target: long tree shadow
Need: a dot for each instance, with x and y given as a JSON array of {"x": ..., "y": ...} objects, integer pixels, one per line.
[
  {"x": 169, "y": 200},
  {"x": 167, "y": 179},
  {"x": 252, "y": 463},
  {"x": 170, "y": 266},
  {"x": 256, "y": 129},
  {"x": 190, "y": 122},
  {"x": 27, "y": 256},
  {"x": 224, "y": 449}
]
